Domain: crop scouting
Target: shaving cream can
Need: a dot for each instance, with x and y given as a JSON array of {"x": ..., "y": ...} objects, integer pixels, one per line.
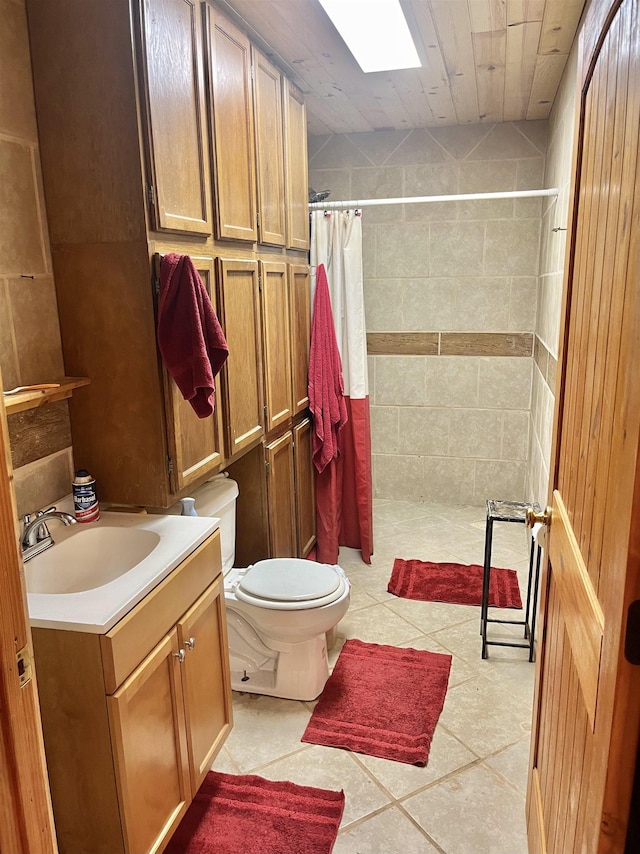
[{"x": 85, "y": 498}]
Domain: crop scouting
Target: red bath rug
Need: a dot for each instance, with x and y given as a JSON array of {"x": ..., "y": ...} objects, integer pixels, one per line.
[
  {"x": 251, "y": 815},
  {"x": 383, "y": 701},
  {"x": 455, "y": 583}
]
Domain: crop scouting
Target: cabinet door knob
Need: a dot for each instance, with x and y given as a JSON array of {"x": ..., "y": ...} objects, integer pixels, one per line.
[
  {"x": 190, "y": 643},
  {"x": 180, "y": 655}
]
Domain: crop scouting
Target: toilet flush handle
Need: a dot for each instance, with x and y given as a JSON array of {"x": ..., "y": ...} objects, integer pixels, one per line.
[{"x": 190, "y": 643}]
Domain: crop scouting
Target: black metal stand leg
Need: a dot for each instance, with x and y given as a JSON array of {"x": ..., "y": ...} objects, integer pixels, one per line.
[
  {"x": 527, "y": 633},
  {"x": 535, "y": 604},
  {"x": 486, "y": 577}
]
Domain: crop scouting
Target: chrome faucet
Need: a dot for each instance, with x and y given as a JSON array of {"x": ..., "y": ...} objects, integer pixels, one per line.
[{"x": 35, "y": 534}]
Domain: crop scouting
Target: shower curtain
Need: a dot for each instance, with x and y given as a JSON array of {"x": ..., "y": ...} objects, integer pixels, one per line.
[{"x": 344, "y": 514}]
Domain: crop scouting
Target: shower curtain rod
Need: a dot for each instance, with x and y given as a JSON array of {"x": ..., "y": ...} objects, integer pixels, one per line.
[{"x": 461, "y": 197}]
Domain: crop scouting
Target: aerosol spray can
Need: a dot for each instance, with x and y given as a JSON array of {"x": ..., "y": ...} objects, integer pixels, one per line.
[{"x": 85, "y": 499}]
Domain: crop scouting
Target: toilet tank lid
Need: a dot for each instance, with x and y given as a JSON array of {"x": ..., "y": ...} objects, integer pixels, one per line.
[{"x": 215, "y": 495}]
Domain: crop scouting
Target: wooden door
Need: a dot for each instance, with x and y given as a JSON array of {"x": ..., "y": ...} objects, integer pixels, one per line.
[
  {"x": 195, "y": 444},
  {"x": 305, "y": 488},
  {"x": 280, "y": 496},
  {"x": 267, "y": 88},
  {"x": 587, "y": 701},
  {"x": 173, "y": 94},
  {"x": 300, "y": 299},
  {"x": 238, "y": 301},
  {"x": 202, "y": 633},
  {"x": 295, "y": 135},
  {"x": 228, "y": 63},
  {"x": 146, "y": 719},
  {"x": 276, "y": 343}
]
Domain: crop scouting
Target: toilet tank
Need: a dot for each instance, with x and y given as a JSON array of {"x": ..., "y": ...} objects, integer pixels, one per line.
[{"x": 217, "y": 497}]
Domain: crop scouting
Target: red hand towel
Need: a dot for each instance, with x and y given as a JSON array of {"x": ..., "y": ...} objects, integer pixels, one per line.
[
  {"x": 190, "y": 337},
  {"x": 326, "y": 386}
]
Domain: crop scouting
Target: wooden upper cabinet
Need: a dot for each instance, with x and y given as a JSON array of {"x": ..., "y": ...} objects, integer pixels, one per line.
[
  {"x": 195, "y": 444},
  {"x": 300, "y": 302},
  {"x": 228, "y": 64},
  {"x": 171, "y": 65},
  {"x": 280, "y": 492},
  {"x": 238, "y": 300},
  {"x": 267, "y": 88},
  {"x": 297, "y": 178},
  {"x": 305, "y": 487},
  {"x": 276, "y": 343}
]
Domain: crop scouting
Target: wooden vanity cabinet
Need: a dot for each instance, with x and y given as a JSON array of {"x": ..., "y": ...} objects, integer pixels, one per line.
[
  {"x": 296, "y": 167},
  {"x": 134, "y": 718},
  {"x": 276, "y": 344},
  {"x": 300, "y": 306}
]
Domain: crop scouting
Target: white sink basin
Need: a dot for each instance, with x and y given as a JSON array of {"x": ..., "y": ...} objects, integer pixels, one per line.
[
  {"x": 96, "y": 572},
  {"x": 90, "y": 559}
]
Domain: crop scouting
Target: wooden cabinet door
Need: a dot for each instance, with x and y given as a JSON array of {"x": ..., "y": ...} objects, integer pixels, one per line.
[
  {"x": 173, "y": 95},
  {"x": 297, "y": 183},
  {"x": 146, "y": 720},
  {"x": 276, "y": 343},
  {"x": 195, "y": 444},
  {"x": 202, "y": 633},
  {"x": 305, "y": 488},
  {"x": 238, "y": 300},
  {"x": 228, "y": 63},
  {"x": 280, "y": 496},
  {"x": 300, "y": 300},
  {"x": 267, "y": 88}
]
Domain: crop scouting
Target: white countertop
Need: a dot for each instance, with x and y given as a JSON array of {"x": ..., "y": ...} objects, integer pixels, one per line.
[{"x": 99, "y": 609}]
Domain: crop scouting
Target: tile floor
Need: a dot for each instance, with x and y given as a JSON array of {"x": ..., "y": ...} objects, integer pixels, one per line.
[{"x": 470, "y": 797}]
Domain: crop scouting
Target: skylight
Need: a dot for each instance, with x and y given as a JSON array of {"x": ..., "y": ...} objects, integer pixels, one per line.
[{"x": 375, "y": 31}]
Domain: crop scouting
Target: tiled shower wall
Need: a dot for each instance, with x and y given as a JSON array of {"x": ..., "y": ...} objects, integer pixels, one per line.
[
  {"x": 450, "y": 296},
  {"x": 552, "y": 253},
  {"x": 30, "y": 348}
]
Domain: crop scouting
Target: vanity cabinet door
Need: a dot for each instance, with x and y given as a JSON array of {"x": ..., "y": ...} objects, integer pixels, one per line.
[
  {"x": 173, "y": 96},
  {"x": 300, "y": 299},
  {"x": 267, "y": 88},
  {"x": 228, "y": 62},
  {"x": 276, "y": 343},
  {"x": 195, "y": 444},
  {"x": 280, "y": 496},
  {"x": 297, "y": 180},
  {"x": 238, "y": 299},
  {"x": 147, "y": 725},
  {"x": 202, "y": 633},
  {"x": 305, "y": 487}
]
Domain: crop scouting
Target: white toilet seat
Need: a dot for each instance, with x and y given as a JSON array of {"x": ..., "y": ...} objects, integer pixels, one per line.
[{"x": 288, "y": 585}]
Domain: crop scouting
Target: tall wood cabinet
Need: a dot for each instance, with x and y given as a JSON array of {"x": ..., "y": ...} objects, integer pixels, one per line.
[{"x": 163, "y": 129}]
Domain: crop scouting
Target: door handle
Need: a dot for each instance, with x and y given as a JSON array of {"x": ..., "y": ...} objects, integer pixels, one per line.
[
  {"x": 190, "y": 643},
  {"x": 532, "y": 518}
]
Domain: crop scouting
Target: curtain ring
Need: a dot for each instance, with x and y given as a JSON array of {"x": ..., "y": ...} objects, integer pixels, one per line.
[{"x": 327, "y": 213}]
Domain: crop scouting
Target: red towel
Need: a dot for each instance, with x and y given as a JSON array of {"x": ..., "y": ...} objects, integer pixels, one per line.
[
  {"x": 326, "y": 386},
  {"x": 190, "y": 337}
]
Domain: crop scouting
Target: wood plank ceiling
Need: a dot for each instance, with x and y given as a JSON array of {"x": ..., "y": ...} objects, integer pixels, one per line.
[{"x": 483, "y": 61}]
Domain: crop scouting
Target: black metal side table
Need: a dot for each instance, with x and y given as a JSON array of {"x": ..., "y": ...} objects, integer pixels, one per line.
[{"x": 510, "y": 511}]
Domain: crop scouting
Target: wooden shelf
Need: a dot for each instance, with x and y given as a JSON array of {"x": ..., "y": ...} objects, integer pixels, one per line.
[{"x": 33, "y": 398}]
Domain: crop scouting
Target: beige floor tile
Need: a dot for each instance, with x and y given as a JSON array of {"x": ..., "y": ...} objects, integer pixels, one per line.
[
  {"x": 377, "y": 624},
  {"x": 330, "y": 768},
  {"x": 224, "y": 763},
  {"x": 460, "y": 669},
  {"x": 388, "y": 832},
  {"x": 430, "y": 617},
  {"x": 447, "y": 754},
  {"x": 475, "y": 812},
  {"x": 513, "y": 763}
]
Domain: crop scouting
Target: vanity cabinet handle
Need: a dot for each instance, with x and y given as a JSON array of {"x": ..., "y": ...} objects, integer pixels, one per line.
[
  {"x": 180, "y": 655},
  {"x": 190, "y": 643}
]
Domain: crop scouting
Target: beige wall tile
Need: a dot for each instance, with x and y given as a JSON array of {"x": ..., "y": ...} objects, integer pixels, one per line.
[
  {"x": 338, "y": 152},
  {"x": 482, "y": 304},
  {"x": 491, "y": 176},
  {"x": 21, "y": 249},
  {"x": 431, "y": 179},
  {"x": 460, "y": 140},
  {"x": 369, "y": 251},
  {"x": 402, "y": 249},
  {"x": 400, "y": 380},
  {"x": 43, "y": 482},
  {"x": 385, "y": 430},
  {"x": 523, "y": 301},
  {"x": 424, "y": 430},
  {"x": 399, "y": 477},
  {"x": 378, "y": 146},
  {"x": 338, "y": 181},
  {"x": 383, "y": 305},
  {"x": 380, "y": 182},
  {"x": 530, "y": 174},
  {"x": 448, "y": 480},
  {"x": 504, "y": 141},
  {"x": 504, "y": 383},
  {"x": 455, "y": 249},
  {"x": 515, "y": 435},
  {"x": 17, "y": 112},
  {"x": 418, "y": 147},
  {"x": 476, "y": 433},
  {"x": 35, "y": 320},
  {"x": 498, "y": 479},
  {"x": 536, "y": 132},
  {"x": 511, "y": 248},
  {"x": 452, "y": 381},
  {"x": 429, "y": 304}
]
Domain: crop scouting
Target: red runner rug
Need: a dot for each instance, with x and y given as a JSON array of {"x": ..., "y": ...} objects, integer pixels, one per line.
[
  {"x": 383, "y": 701},
  {"x": 251, "y": 815},
  {"x": 454, "y": 583}
]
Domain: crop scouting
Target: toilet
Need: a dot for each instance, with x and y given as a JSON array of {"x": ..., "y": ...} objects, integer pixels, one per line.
[{"x": 279, "y": 610}]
